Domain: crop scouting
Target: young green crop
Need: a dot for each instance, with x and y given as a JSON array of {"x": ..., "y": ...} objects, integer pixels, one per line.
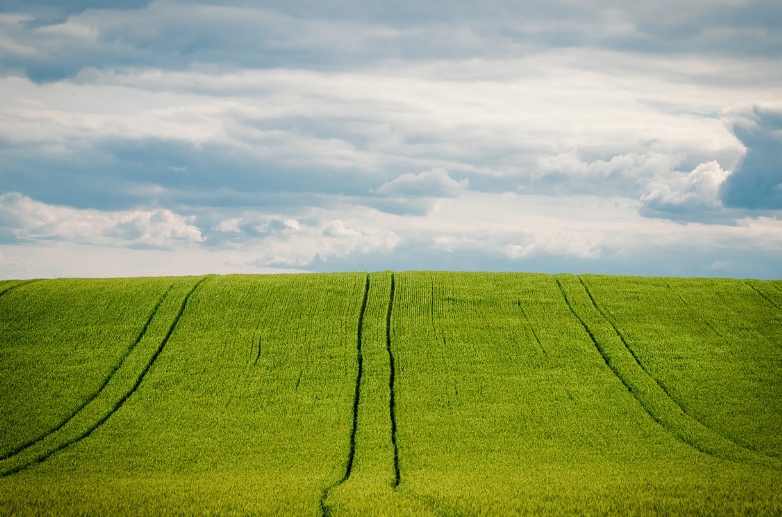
[
  {"x": 394, "y": 394},
  {"x": 714, "y": 344},
  {"x": 506, "y": 405},
  {"x": 247, "y": 408},
  {"x": 60, "y": 340}
]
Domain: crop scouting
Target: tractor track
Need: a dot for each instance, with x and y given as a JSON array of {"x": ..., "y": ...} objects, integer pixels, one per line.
[
  {"x": 769, "y": 300},
  {"x": 324, "y": 509},
  {"x": 18, "y": 284},
  {"x": 627, "y": 347},
  {"x": 740, "y": 453},
  {"x": 95, "y": 394},
  {"x": 684, "y": 302},
  {"x": 532, "y": 328},
  {"x": 660, "y": 384},
  {"x": 44, "y": 456},
  {"x": 391, "y": 385},
  {"x": 618, "y": 375}
]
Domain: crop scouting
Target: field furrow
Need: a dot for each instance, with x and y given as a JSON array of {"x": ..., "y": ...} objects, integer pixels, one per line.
[
  {"x": 100, "y": 407},
  {"x": 762, "y": 294},
  {"x": 392, "y": 385},
  {"x": 324, "y": 506}
]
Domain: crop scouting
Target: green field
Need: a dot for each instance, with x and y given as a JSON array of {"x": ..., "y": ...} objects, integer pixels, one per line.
[{"x": 411, "y": 393}]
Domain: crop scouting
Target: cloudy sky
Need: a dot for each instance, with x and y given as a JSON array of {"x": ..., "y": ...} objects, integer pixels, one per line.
[{"x": 167, "y": 137}]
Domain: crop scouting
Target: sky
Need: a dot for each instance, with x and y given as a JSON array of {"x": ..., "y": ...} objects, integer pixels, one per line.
[{"x": 169, "y": 138}]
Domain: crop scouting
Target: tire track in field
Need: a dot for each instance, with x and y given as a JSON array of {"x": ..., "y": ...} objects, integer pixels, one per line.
[
  {"x": 681, "y": 299},
  {"x": 673, "y": 419},
  {"x": 18, "y": 284},
  {"x": 324, "y": 509},
  {"x": 627, "y": 347},
  {"x": 532, "y": 328},
  {"x": 769, "y": 300},
  {"x": 95, "y": 394},
  {"x": 391, "y": 385},
  {"x": 47, "y": 454},
  {"x": 659, "y": 383}
]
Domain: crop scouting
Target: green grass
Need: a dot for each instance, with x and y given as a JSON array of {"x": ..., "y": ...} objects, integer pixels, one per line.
[{"x": 391, "y": 394}]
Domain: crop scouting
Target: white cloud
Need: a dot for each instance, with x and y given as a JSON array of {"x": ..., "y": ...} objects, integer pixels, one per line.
[
  {"x": 222, "y": 108},
  {"x": 433, "y": 183},
  {"x": 510, "y": 231},
  {"x": 296, "y": 244},
  {"x": 228, "y": 225},
  {"x": 459, "y": 115},
  {"x": 33, "y": 220},
  {"x": 686, "y": 192}
]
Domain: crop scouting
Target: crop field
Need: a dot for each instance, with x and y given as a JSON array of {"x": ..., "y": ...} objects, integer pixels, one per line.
[{"x": 415, "y": 393}]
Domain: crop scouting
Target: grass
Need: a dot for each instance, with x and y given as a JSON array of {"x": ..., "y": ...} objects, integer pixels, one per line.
[{"x": 406, "y": 394}]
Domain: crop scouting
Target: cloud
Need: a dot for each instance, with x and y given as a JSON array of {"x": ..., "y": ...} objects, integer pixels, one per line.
[
  {"x": 623, "y": 174},
  {"x": 552, "y": 134},
  {"x": 475, "y": 231},
  {"x": 30, "y": 220},
  {"x": 433, "y": 183},
  {"x": 293, "y": 243},
  {"x": 681, "y": 194},
  {"x": 175, "y": 35},
  {"x": 115, "y": 136},
  {"x": 415, "y": 194},
  {"x": 756, "y": 183}
]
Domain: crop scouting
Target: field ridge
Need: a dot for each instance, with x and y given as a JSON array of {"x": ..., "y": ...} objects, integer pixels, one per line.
[
  {"x": 36, "y": 457},
  {"x": 495, "y": 393}
]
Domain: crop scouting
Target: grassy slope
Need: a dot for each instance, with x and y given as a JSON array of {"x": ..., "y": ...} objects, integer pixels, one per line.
[
  {"x": 505, "y": 405},
  {"x": 716, "y": 345},
  {"x": 56, "y": 331},
  {"x": 215, "y": 426},
  {"x": 503, "y": 401}
]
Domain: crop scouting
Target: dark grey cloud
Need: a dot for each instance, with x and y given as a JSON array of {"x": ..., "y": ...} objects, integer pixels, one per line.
[
  {"x": 757, "y": 181},
  {"x": 118, "y": 174},
  {"x": 47, "y": 12},
  {"x": 340, "y": 35}
]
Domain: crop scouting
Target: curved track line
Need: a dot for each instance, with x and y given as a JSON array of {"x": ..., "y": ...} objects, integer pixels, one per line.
[
  {"x": 660, "y": 384},
  {"x": 738, "y": 454},
  {"x": 616, "y": 372},
  {"x": 622, "y": 339},
  {"x": 769, "y": 300},
  {"x": 391, "y": 384},
  {"x": 18, "y": 284},
  {"x": 324, "y": 509},
  {"x": 681, "y": 299},
  {"x": 529, "y": 324},
  {"x": 119, "y": 403},
  {"x": 95, "y": 394},
  {"x": 735, "y": 452}
]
